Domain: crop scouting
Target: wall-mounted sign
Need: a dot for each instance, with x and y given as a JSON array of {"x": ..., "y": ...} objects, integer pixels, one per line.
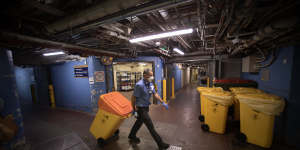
[
  {"x": 91, "y": 80},
  {"x": 81, "y": 71},
  {"x": 99, "y": 76}
]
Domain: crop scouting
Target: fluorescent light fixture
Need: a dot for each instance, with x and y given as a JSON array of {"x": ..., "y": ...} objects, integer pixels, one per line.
[
  {"x": 143, "y": 64},
  {"x": 54, "y": 53},
  {"x": 162, "y": 35},
  {"x": 178, "y": 51}
]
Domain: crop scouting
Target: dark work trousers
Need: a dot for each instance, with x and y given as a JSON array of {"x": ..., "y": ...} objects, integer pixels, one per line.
[{"x": 143, "y": 117}]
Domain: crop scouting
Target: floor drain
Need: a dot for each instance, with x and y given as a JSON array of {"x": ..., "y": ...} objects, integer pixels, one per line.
[{"x": 174, "y": 148}]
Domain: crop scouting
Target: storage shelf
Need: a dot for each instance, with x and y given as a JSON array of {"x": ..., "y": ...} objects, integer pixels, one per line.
[{"x": 127, "y": 80}]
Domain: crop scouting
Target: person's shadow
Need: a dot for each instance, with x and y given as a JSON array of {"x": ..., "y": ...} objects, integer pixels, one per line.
[{"x": 134, "y": 146}]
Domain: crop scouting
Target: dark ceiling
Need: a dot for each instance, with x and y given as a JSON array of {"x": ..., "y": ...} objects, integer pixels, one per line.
[{"x": 103, "y": 27}]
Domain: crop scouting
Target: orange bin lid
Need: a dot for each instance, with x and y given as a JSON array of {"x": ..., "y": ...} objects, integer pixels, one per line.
[{"x": 115, "y": 103}]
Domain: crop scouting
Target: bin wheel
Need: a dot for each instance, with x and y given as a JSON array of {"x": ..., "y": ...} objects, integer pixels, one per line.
[
  {"x": 205, "y": 127},
  {"x": 241, "y": 138},
  {"x": 101, "y": 142},
  {"x": 201, "y": 118},
  {"x": 117, "y": 133}
]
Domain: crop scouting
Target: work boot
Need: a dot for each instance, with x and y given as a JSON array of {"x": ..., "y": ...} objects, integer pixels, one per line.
[
  {"x": 134, "y": 139},
  {"x": 164, "y": 146}
]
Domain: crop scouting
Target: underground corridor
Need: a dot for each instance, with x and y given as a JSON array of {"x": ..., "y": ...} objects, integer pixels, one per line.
[{"x": 149, "y": 75}]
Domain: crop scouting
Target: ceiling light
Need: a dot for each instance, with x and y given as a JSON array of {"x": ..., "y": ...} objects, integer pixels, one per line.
[
  {"x": 54, "y": 53},
  {"x": 162, "y": 35},
  {"x": 178, "y": 51}
]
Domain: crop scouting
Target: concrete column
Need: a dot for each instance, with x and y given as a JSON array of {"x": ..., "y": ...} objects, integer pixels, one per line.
[
  {"x": 8, "y": 93},
  {"x": 97, "y": 88}
]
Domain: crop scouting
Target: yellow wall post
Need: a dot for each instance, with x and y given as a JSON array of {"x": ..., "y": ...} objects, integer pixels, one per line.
[
  {"x": 207, "y": 82},
  {"x": 165, "y": 90},
  {"x": 173, "y": 88},
  {"x": 52, "y": 98}
]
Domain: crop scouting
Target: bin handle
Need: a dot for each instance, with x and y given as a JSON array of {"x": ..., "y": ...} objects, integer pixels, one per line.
[
  {"x": 255, "y": 116},
  {"x": 255, "y": 111}
]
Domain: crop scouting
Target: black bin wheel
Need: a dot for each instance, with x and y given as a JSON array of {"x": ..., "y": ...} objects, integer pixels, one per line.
[
  {"x": 241, "y": 137},
  {"x": 101, "y": 142},
  {"x": 205, "y": 127},
  {"x": 117, "y": 133},
  {"x": 201, "y": 118}
]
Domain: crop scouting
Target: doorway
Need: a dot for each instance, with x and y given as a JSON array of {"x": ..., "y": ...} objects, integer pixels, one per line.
[{"x": 127, "y": 74}]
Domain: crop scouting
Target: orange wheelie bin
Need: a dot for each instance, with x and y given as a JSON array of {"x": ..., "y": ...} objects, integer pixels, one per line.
[{"x": 114, "y": 108}]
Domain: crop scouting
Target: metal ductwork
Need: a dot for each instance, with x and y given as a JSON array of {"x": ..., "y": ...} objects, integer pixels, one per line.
[
  {"x": 8, "y": 37},
  {"x": 109, "y": 11},
  {"x": 190, "y": 59},
  {"x": 105, "y": 8},
  {"x": 280, "y": 25}
]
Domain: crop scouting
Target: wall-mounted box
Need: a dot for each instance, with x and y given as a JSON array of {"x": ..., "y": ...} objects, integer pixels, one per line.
[{"x": 249, "y": 64}]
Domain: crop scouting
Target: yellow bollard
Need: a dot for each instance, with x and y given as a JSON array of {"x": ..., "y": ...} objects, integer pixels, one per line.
[
  {"x": 207, "y": 82},
  {"x": 165, "y": 90},
  {"x": 173, "y": 88},
  {"x": 52, "y": 98}
]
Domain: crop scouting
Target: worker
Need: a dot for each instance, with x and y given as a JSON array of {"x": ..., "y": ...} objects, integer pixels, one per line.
[{"x": 141, "y": 101}]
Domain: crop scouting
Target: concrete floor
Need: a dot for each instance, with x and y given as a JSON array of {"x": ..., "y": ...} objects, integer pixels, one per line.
[{"x": 60, "y": 129}]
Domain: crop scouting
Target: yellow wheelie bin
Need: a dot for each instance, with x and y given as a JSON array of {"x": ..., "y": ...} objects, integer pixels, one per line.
[
  {"x": 216, "y": 110},
  {"x": 236, "y": 104},
  {"x": 114, "y": 108},
  {"x": 202, "y": 90},
  {"x": 257, "y": 117}
]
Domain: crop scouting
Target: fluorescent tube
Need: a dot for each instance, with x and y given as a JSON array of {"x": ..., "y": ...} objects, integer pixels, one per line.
[
  {"x": 162, "y": 35},
  {"x": 178, "y": 51},
  {"x": 54, "y": 53}
]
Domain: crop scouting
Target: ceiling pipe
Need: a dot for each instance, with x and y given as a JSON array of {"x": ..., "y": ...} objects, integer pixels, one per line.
[
  {"x": 166, "y": 27},
  {"x": 120, "y": 36},
  {"x": 190, "y": 59},
  {"x": 102, "y": 9},
  {"x": 267, "y": 31},
  {"x": 107, "y": 12},
  {"x": 240, "y": 15},
  {"x": 8, "y": 37}
]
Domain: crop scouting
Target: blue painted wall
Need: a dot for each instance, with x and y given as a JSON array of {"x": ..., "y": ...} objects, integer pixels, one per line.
[
  {"x": 293, "y": 104},
  {"x": 177, "y": 78},
  {"x": 175, "y": 72},
  {"x": 98, "y": 88},
  {"x": 284, "y": 81},
  {"x": 9, "y": 93},
  {"x": 36, "y": 76},
  {"x": 158, "y": 62},
  {"x": 70, "y": 92},
  {"x": 280, "y": 74},
  {"x": 24, "y": 79},
  {"x": 41, "y": 85}
]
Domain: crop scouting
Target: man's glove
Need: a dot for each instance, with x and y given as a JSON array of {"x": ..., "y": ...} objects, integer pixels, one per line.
[
  {"x": 165, "y": 105},
  {"x": 134, "y": 113}
]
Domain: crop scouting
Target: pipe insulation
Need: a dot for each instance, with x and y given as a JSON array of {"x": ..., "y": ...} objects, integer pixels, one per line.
[
  {"x": 9, "y": 37},
  {"x": 277, "y": 26},
  {"x": 109, "y": 11}
]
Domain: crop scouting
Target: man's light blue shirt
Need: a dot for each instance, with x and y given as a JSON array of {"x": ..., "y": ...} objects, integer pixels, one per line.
[{"x": 143, "y": 91}]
